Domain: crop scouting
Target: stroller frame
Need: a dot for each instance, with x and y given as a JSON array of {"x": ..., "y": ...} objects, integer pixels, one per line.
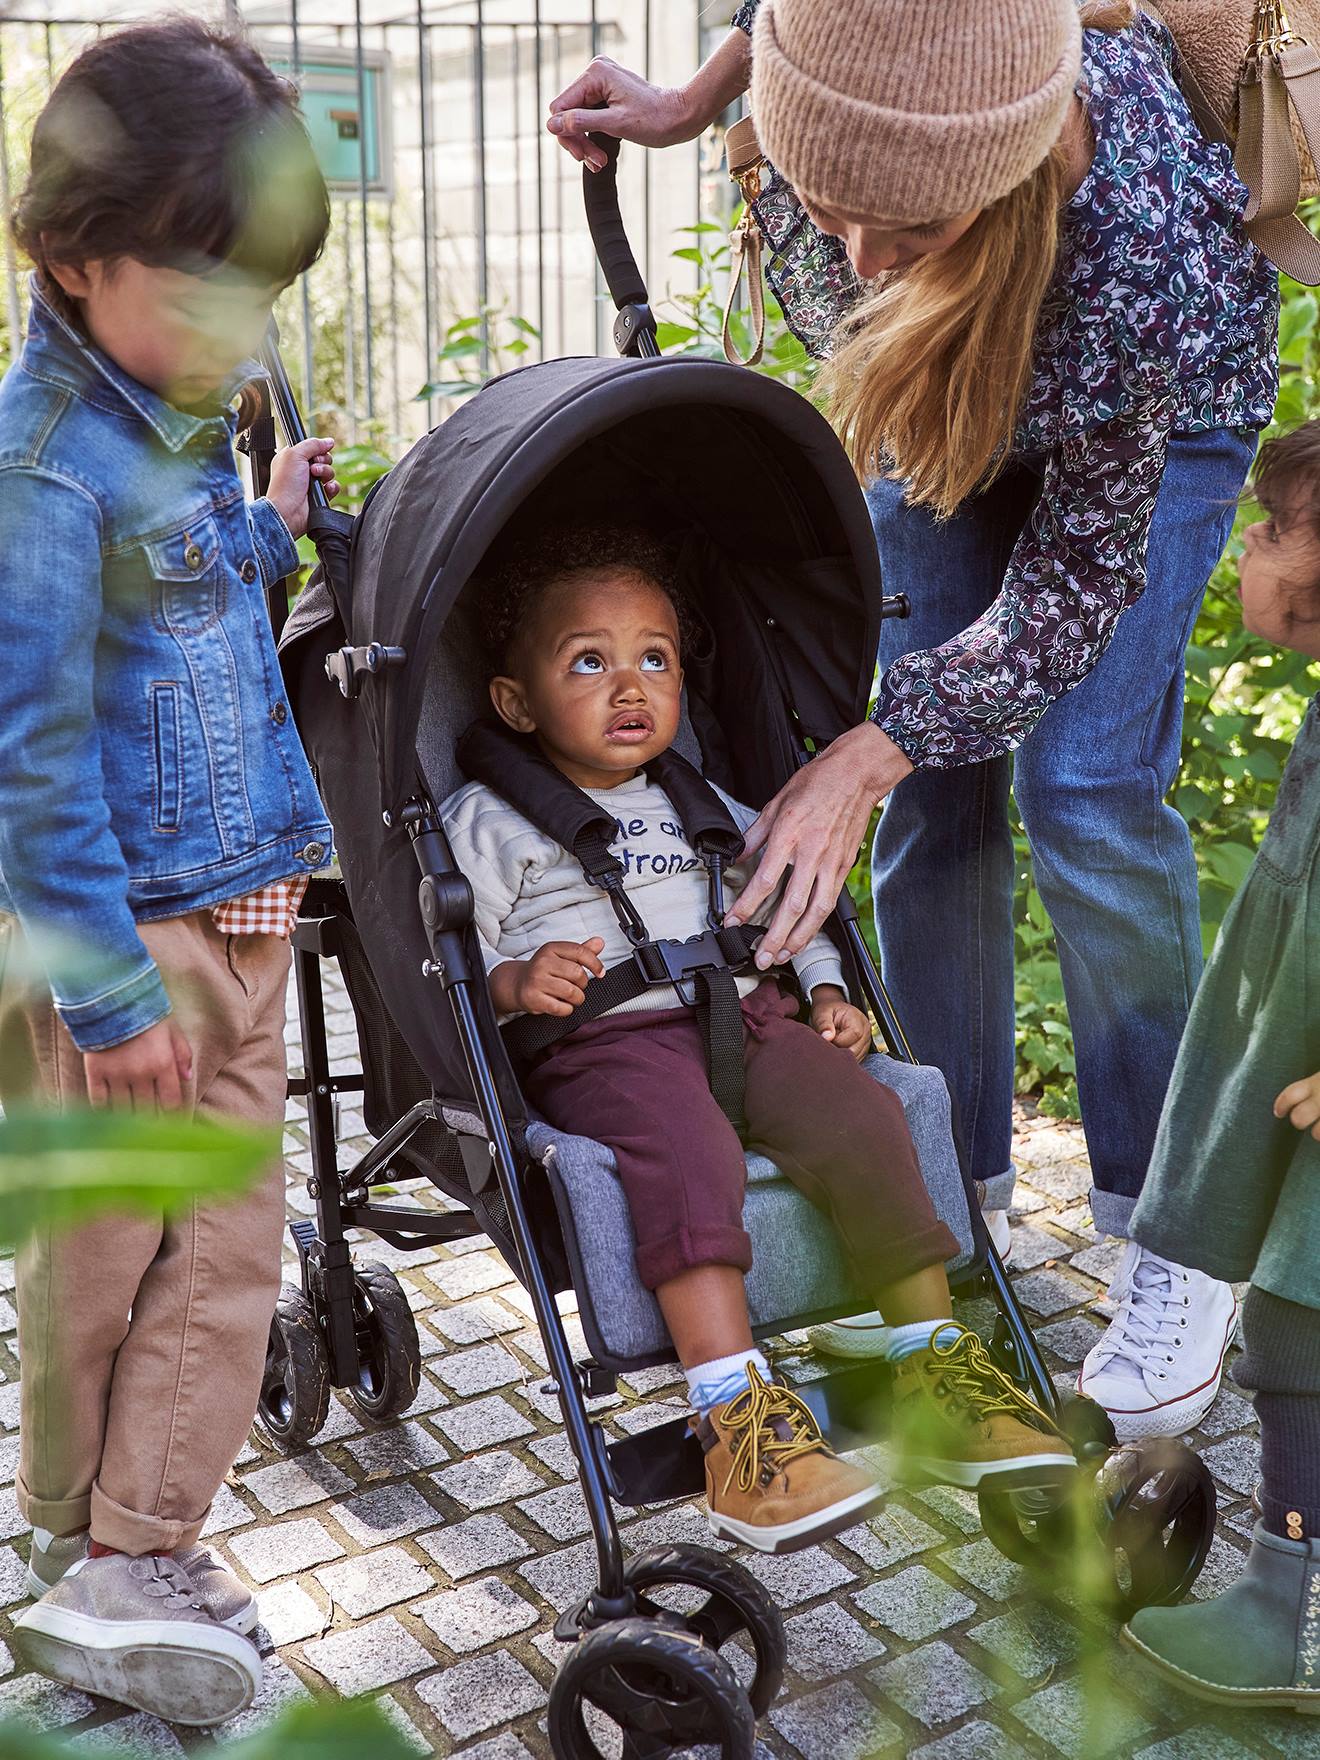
[{"x": 1159, "y": 1509}]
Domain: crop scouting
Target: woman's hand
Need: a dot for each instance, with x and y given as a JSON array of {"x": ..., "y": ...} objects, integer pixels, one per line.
[
  {"x": 609, "y": 99},
  {"x": 814, "y": 826},
  {"x": 839, "y": 1021},
  {"x": 292, "y": 472},
  {"x": 1299, "y": 1103}
]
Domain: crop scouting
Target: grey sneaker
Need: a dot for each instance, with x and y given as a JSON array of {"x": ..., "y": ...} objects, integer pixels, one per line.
[
  {"x": 221, "y": 1593},
  {"x": 135, "y": 1630}
]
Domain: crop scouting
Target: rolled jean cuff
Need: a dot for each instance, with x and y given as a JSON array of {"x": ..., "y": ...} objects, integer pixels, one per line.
[
  {"x": 127, "y": 1530},
  {"x": 999, "y": 1190},
  {"x": 660, "y": 1261},
  {"x": 64, "y": 1515},
  {"x": 1111, "y": 1213}
]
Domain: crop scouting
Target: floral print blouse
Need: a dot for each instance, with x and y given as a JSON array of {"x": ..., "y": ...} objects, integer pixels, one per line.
[{"x": 1162, "y": 319}]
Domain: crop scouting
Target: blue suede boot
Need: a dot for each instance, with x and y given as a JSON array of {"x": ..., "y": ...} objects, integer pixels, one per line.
[{"x": 1256, "y": 1644}]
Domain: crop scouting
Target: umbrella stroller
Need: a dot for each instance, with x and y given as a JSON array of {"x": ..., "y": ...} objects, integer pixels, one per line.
[{"x": 786, "y": 584}]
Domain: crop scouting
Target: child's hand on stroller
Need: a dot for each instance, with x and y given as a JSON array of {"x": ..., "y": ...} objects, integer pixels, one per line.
[
  {"x": 292, "y": 472},
  {"x": 836, "y": 1019},
  {"x": 553, "y": 981},
  {"x": 1299, "y": 1103},
  {"x": 147, "y": 1073}
]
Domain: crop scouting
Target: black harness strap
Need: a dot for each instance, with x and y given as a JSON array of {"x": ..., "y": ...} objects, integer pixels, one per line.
[{"x": 720, "y": 1012}]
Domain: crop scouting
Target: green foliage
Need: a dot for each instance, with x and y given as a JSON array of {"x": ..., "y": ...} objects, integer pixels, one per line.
[
  {"x": 696, "y": 327},
  {"x": 477, "y": 349},
  {"x": 325, "y": 1729}
]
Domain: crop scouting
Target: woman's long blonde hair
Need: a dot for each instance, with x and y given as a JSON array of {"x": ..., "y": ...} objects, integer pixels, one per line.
[{"x": 931, "y": 370}]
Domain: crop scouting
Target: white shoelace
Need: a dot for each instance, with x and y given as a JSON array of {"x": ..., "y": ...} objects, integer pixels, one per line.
[{"x": 1147, "y": 1316}]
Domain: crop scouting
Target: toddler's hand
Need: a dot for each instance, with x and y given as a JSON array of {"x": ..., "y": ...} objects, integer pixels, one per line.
[
  {"x": 291, "y": 475},
  {"x": 554, "y": 980},
  {"x": 836, "y": 1020},
  {"x": 1299, "y": 1103},
  {"x": 146, "y": 1073}
]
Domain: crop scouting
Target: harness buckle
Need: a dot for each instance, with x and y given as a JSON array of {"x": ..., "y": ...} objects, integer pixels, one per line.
[{"x": 679, "y": 962}]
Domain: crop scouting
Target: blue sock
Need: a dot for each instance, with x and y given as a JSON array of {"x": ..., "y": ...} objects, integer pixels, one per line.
[
  {"x": 905, "y": 1341},
  {"x": 715, "y": 1383}
]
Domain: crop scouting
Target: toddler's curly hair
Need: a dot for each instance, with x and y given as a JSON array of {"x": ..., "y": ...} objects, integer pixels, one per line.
[{"x": 522, "y": 570}]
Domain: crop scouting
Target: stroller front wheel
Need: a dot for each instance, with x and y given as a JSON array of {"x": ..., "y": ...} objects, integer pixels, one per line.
[
  {"x": 658, "y": 1685},
  {"x": 727, "y": 1601},
  {"x": 295, "y": 1386},
  {"x": 389, "y": 1355}
]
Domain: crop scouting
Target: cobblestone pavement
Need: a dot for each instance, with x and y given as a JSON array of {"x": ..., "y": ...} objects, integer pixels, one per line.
[{"x": 427, "y": 1561}]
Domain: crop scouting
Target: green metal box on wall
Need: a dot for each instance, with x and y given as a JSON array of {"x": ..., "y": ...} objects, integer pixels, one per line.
[{"x": 348, "y": 119}]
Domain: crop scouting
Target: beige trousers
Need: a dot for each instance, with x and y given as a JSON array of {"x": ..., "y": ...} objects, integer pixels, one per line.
[{"x": 142, "y": 1338}]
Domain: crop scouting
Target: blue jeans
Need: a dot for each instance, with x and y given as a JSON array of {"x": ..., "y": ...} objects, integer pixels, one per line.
[{"x": 1113, "y": 861}]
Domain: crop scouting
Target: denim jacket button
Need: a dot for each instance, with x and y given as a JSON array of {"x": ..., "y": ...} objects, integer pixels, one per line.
[
  {"x": 248, "y": 571},
  {"x": 313, "y": 854},
  {"x": 279, "y": 714},
  {"x": 192, "y": 555}
]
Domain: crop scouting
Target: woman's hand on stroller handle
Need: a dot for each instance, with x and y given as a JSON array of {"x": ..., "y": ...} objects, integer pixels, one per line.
[
  {"x": 553, "y": 981},
  {"x": 811, "y": 832},
  {"x": 608, "y": 99}
]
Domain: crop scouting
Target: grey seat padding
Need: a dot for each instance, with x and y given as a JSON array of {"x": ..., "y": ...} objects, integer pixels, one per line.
[{"x": 798, "y": 1271}]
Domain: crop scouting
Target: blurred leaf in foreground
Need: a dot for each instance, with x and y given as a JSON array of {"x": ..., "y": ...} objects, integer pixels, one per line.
[{"x": 324, "y": 1729}]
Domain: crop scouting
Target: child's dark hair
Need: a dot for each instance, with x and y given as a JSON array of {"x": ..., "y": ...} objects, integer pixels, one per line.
[
  {"x": 174, "y": 144},
  {"x": 1287, "y": 474},
  {"x": 521, "y": 571}
]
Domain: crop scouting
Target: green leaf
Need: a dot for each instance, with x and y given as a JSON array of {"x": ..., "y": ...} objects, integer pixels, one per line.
[
  {"x": 689, "y": 253},
  {"x": 1297, "y": 319},
  {"x": 60, "y": 1168},
  {"x": 1229, "y": 862},
  {"x": 525, "y": 326},
  {"x": 669, "y": 335}
]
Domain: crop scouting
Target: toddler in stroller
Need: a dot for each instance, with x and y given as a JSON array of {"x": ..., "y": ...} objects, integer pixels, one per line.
[{"x": 586, "y": 632}]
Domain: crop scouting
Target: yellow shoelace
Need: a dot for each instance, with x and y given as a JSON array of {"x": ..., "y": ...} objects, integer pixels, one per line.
[
  {"x": 753, "y": 1414},
  {"x": 973, "y": 1377}
]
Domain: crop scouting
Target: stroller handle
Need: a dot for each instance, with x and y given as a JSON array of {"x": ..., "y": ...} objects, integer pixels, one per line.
[
  {"x": 286, "y": 404},
  {"x": 600, "y": 194}
]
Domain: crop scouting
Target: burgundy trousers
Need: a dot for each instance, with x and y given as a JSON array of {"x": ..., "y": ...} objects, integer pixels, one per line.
[{"x": 637, "y": 1083}]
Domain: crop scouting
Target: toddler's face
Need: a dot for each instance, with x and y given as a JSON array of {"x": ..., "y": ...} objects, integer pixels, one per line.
[
  {"x": 597, "y": 676},
  {"x": 1279, "y": 578},
  {"x": 180, "y": 335}
]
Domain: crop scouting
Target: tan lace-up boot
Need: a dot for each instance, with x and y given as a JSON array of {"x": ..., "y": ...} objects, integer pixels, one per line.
[
  {"x": 771, "y": 1478},
  {"x": 960, "y": 1420}
]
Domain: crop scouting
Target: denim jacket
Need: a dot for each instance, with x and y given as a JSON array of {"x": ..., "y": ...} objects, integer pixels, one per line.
[{"x": 148, "y": 763}]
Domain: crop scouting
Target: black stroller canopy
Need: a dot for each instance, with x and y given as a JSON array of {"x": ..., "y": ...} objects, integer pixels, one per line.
[{"x": 741, "y": 468}]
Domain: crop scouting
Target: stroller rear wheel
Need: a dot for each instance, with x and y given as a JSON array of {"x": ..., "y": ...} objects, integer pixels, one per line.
[
  {"x": 655, "y": 1683},
  {"x": 389, "y": 1356},
  {"x": 295, "y": 1387},
  {"x": 1134, "y": 1535},
  {"x": 716, "y": 1600}
]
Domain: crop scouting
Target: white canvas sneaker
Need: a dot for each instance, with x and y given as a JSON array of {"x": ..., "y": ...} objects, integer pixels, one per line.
[{"x": 1158, "y": 1367}]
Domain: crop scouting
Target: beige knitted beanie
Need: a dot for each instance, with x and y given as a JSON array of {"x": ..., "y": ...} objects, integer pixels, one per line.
[{"x": 912, "y": 110}]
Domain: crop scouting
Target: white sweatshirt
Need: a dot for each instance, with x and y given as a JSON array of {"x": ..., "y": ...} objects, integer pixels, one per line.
[{"x": 529, "y": 890}]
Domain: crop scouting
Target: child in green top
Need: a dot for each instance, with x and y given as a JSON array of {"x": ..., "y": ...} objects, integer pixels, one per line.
[{"x": 1234, "y": 1184}]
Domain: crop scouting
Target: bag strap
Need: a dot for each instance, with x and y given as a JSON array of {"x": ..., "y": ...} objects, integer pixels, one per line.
[{"x": 746, "y": 161}]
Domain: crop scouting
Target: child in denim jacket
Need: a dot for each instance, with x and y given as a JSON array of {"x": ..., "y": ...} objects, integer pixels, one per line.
[{"x": 158, "y": 821}]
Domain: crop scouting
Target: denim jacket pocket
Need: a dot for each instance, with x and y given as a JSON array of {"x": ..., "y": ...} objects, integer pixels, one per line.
[{"x": 189, "y": 576}]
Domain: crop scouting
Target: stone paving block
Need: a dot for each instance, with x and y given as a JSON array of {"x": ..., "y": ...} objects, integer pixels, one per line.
[
  {"x": 487, "y": 1479},
  {"x": 289, "y": 1614},
  {"x": 460, "y": 1278},
  {"x": 893, "y": 1535},
  {"x": 1229, "y": 1412},
  {"x": 1030, "y": 1643},
  {"x": 1236, "y": 1462},
  {"x": 1082, "y": 1728},
  {"x": 31, "y": 1698},
  {"x": 375, "y": 1580},
  {"x": 825, "y": 1640},
  {"x": 430, "y": 1398},
  {"x": 505, "y": 1747},
  {"x": 933, "y": 1684},
  {"x": 402, "y": 1448},
  {"x": 479, "y": 1544},
  {"x": 1049, "y": 1292},
  {"x": 474, "y": 1696},
  {"x": 387, "y": 1513},
  {"x": 1032, "y": 1247},
  {"x": 480, "y": 1370},
  {"x": 1063, "y": 1182},
  {"x": 643, "y": 1382},
  {"x": 473, "y": 1321},
  {"x": 137, "y": 1734},
  {"x": 1223, "y": 1566},
  {"x": 1069, "y": 1339},
  {"x": 283, "y": 1548},
  {"x": 985, "y": 1566},
  {"x": 915, "y": 1603},
  {"x": 682, "y": 1524},
  {"x": 368, "y": 1657},
  {"x": 1196, "y": 1744},
  {"x": 563, "y": 1577},
  {"x": 957, "y": 1507},
  {"x": 13, "y": 1578},
  {"x": 974, "y": 1741},
  {"x": 797, "y": 1576},
  {"x": 478, "y": 1614},
  {"x": 403, "y": 1725},
  {"x": 1100, "y": 1261},
  {"x": 294, "y": 1484},
  {"x": 228, "y": 1511},
  {"x": 480, "y": 1423},
  {"x": 636, "y": 1419},
  {"x": 8, "y": 1459},
  {"x": 561, "y": 1511},
  {"x": 10, "y": 1399},
  {"x": 836, "y": 1723},
  {"x": 280, "y": 1688},
  {"x": 12, "y": 1524}
]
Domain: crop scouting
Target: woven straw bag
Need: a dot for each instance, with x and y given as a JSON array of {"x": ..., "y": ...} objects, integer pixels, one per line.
[{"x": 1250, "y": 69}]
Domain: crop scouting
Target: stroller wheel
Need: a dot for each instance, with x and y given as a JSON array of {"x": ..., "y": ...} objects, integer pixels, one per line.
[
  {"x": 389, "y": 1356},
  {"x": 657, "y": 1685},
  {"x": 295, "y": 1387},
  {"x": 1134, "y": 1535},
  {"x": 714, "y": 1599}
]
